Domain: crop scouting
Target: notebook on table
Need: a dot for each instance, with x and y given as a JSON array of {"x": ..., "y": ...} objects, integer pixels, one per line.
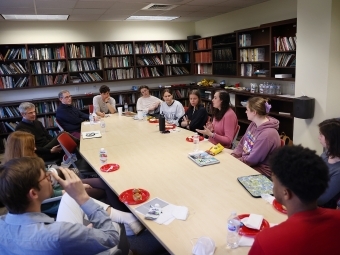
[
  {"x": 203, "y": 158},
  {"x": 256, "y": 184}
]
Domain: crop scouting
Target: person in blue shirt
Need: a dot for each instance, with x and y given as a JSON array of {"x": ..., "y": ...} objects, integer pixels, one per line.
[{"x": 24, "y": 184}]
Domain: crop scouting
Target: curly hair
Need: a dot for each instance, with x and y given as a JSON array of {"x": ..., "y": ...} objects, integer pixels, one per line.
[
  {"x": 301, "y": 170},
  {"x": 225, "y": 105},
  {"x": 330, "y": 129}
]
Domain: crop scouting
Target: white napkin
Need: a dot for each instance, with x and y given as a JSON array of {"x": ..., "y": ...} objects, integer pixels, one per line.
[
  {"x": 180, "y": 212},
  {"x": 268, "y": 198},
  {"x": 254, "y": 221},
  {"x": 166, "y": 216},
  {"x": 246, "y": 241}
]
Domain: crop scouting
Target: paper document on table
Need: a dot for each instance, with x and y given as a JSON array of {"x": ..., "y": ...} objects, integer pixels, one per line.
[
  {"x": 144, "y": 208},
  {"x": 91, "y": 134}
]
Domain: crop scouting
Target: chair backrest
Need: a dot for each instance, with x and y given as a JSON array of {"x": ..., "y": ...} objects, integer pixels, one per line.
[
  {"x": 233, "y": 145},
  {"x": 69, "y": 147},
  {"x": 59, "y": 126},
  {"x": 90, "y": 108}
]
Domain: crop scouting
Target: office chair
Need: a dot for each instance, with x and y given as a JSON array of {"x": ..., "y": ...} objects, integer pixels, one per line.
[
  {"x": 58, "y": 125},
  {"x": 90, "y": 108},
  {"x": 73, "y": 157},
  {"x": 233, "y": 144}
]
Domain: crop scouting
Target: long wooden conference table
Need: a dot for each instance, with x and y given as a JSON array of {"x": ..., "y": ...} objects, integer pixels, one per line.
[{"x": 159, "y": 163}]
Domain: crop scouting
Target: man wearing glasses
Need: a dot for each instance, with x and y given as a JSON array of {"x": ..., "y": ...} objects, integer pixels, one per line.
[
  {"x": 26, "y": 230},
  {"x": 68, "y": 116},
  {"x": 47, "y": 147}
]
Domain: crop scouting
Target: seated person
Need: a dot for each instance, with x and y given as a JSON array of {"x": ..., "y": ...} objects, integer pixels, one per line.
[
  {"x": 223, "y": 128},
  {"x": 24, "y": 184},
  {"x": 170, "y": 108},
  {"x": 196, "y": 116},
  {"x": 261, "y": 137},
  {"x": 103, "y": 103},
  {"x": 47, "y": 147},
  {"x": 68, "y": 116},
  {"x": 299, "y": 177},
  {"x": 330, "y": 140},
  {"x": 147, "y": 102}
]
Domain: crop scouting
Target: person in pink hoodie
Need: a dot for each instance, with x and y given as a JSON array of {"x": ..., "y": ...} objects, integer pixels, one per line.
[
  {"x": 223, "y": 128},
  {"x": 261, "y": 137}
]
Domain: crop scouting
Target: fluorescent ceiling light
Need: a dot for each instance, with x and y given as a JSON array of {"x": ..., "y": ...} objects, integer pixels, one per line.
[
  {"x": 34, "y": 17},
  {"x": 152, "y": 18}
]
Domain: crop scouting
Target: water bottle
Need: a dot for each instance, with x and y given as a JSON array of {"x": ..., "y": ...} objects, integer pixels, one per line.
[
  {"x": 91, "y": 118},
  {"x": 102, "y": 125},
  {"x": 161, "y": 122},
  {"x": 126, "y": 107},
  {"x": 233, "y": 227},
  {"x": 196, "y": 141},
  {"x": 103, "y": 156},
  {"x": 278, "y": 89}
]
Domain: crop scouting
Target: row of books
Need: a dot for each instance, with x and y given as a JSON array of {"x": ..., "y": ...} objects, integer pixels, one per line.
[
  {"x": 129, "y": 99},
  {"x": 14, "y": 53},
  {"x": 252, "y": 55},
  {"x": 89, "y": 77},
  {"x": 208, "y": 107},
  {"x": 78, "y": 103},
  {"x": 156, "y": 93},
  {"x": 46, "y": 107},
  {"x": 176, "y": 70},
  {"x": 203, "y": 69},
  {"x": 180, "y": 93},
  {"x": 45, "y": 80},
  {"x": 203, "y": 57},
  {"x": 244, "y": 40},
  {"x": 284, "y": 59},
  {"x": 225, "y": 68},
  {"x": 119, "y": 74},
  {"x": 223, "y": 54},
  {"x": 148, "y": 72},
  {"x": 178, "y": 47},
  {"x": 53, "y": 133},
  {"x": 284, "y": 43},
  {"x": 173, "y": 59},
  {"x": 114, "y": 62},
  {"x": 48, "y": 67},
  {"x": 7, "y": 127},
  {"x": 141, "y": 48},
  {"x": 150, "y": 60},
  {"x": 12, "y": 68},
  {"x": 46, "y": 53},
  {"x": 48, "y": 121},
  {"x": 8, "y": 82},
  {"x": 85, "y": 65},
  {"x": 9, "y": 112},
  {"x": 249, "y": 69},
  {"x": 81, "y": 51},
  {"x": 117, "y": 49},
  {"x": 203, "y": 44}
]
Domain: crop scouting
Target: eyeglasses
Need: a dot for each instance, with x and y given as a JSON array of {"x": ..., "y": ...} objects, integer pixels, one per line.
[
  {"x": 47, "y": 176},
  {"x": 67, "y": 97},
  {"x": 30, "y": 113}
]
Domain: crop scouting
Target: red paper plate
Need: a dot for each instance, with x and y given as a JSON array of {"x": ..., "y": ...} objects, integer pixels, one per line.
[
  {"x": 127, "y": 197},
  {"x": 109, "y": 167},
  {"x": 170, "y": 126},
  {"x": 279, "y": 207},
  {"x": 190, "y": 138},
  {"x": 153, "y": 120},
  {"x": 245, "y": 231}
]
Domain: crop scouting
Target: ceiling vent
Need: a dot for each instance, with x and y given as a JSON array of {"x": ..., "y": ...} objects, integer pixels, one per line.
[{"x": 159, "y": 7}]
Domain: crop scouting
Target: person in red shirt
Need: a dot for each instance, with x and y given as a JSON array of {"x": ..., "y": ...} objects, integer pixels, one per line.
[{"x": 300, "y": 176}]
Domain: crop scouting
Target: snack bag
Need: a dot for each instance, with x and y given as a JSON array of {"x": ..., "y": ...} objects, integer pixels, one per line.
[{"x": 214, "y": 150}]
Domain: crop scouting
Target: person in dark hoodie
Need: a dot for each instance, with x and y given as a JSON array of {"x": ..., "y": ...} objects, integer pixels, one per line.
[
  {"x": 196, "y": 115},
  {"x": 261, "y": 137}
]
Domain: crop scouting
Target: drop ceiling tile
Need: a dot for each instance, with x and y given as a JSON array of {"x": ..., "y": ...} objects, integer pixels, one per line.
[
  {"x": 54, "y": 11},
  {"x": 16, "y": 3},
  {"x": 88, "y": 17},
  {"x": 88, "y": 11},
  {"x": 17, "y": 11},
  {"x": 94, "y": 4},
  {"x": 55, "y": 4}
]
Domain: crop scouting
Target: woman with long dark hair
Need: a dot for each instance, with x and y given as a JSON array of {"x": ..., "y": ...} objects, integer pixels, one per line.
[
  {"x": 196, "y": 115},
  {"x": 223, "y": 127}
]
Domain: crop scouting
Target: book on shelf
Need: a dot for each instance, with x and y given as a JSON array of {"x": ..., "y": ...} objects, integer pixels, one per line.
[{"x": 245, "y": 40}]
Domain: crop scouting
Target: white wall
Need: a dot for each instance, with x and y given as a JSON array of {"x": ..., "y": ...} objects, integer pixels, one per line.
[
  {"x": 317, "y": 72},
  {"x": 271, "y": 11}
]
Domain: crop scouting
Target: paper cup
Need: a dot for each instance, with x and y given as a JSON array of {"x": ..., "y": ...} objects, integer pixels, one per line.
[{"x": 120, "y": 110}]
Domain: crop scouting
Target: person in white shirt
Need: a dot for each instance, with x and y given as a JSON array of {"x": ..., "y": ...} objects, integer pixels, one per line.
[
  {"x": 147, "y": 102},
  {"x": 170, "y": 108},
  {"x": 103, "y": 103}
]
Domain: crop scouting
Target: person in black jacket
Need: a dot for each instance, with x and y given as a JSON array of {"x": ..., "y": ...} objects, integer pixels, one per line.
[
  {"x": 68, "y": 116},
  {"x": 196, "y": 116},
  {"x": 47, "y": 147}
]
